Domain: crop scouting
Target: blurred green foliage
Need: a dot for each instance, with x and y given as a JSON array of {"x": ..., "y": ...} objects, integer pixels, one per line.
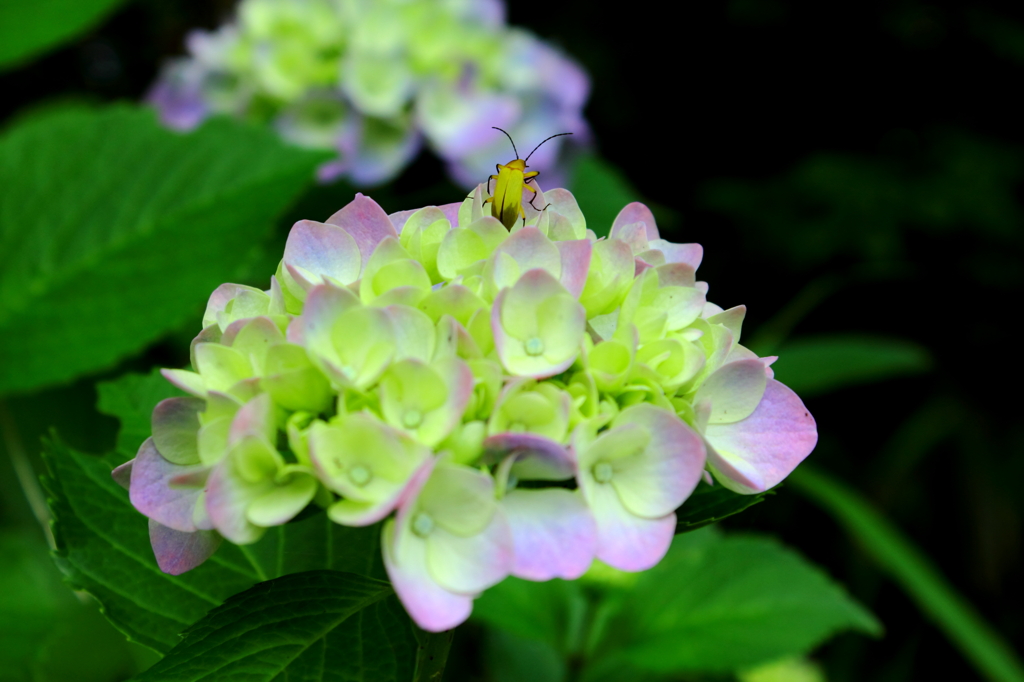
[{"x": 30, "y": 28}]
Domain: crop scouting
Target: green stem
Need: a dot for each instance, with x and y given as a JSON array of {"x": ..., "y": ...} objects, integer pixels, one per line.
[
  {"x": 432, "y": 654},
  {"x": 909, "y": 567}
]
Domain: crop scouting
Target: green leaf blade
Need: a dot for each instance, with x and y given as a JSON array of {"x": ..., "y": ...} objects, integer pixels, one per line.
[
  {"x": 966, "y": 629},
  {"x": 821, "y": 364},
  {"x": 103, "y": 548},
  {"x": 314, "y": 626},
  {"x": 116, "y": 230},
  {"x": 710, "y": 504},
  {"x": 28, "y": 29},
  {"x": 722, "y": 604}
]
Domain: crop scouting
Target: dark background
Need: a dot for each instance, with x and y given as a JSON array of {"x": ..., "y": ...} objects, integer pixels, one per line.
[{"x": 863, "y": 158}]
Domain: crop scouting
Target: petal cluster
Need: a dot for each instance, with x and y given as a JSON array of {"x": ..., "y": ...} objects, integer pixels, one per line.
[
  {"x": 500, "y": 402},
  {"x": 374, "y": 79}
]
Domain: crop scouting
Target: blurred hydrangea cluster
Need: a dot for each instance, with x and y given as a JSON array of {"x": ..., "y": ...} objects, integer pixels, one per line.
[
  {"x": 373, "y": 78},
  {"x": 508, "y": 402}
]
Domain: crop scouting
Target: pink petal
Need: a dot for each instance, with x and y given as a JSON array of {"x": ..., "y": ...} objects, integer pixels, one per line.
[
  {"x": 254, "y": 418},
  {"x": 734, "y": 391},
  {"x": 432, "y": 607},
  {"x": 660, "y": 479},
  {"x": 451, "y": 212},
  {"x": 177, "y": 552},
  {"x": 626, "y": 541},
  {"x": 636, "y": 213},
  {"x": 575, "y": 264},
  {"x": 367, "y": 222},
  {"x": 151, "y": 490},
  {"x": 399, "y": 218},
  {"x": 676, "y": 274},
  {"x": 227, "y": 499},
  {"x": 540, "y": 458},
  {"x": 553, "y": 531},
  {"x": 691, "y": 254},
  {"x": 321, "y": 249},
  {"x": 531, "y": 249},
  {"x": 262, "y": 324},
  {"x": 219, "y": 298},
  {"x": 731, "y": 319},
  {"x": 766, "y": 446},
  {"x": 634, "y": 234}
]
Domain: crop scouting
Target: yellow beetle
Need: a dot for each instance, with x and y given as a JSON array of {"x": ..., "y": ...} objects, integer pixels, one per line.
[{"x": 507, "y": 200}]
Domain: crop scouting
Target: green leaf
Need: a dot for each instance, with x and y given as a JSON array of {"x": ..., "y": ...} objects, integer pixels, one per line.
[
  {"x": 313, "y": 626},
  {"x": 131, "y": 398},
  {"x": 719, "y": 604},
  {"x": 711, "y": 503},
  {"x": 982, "y": 645},
  {"x": 816, "y": 365},
  {"x": 29, "y": 28},
  {"x": 103, "y": 548},
  {"x": 115, "y": 231}
]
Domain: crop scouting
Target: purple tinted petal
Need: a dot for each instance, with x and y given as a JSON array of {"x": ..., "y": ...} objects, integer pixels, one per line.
[
  {"x": 219, "y": 299},
  {"x": 152, "y": 493},
  {"x": 399, "y": 219},
  {"x": 766, "y": 446},
  {"x": 540, "y": 458},
  {"x": 122, "y": 474},
  {"x": 634, "y": 234},
  {"x": 329, "y": 171},
  {"x": 657, "y": 481},
  {"x": 451, "y": 212},
  {"x": 636, "y": 212},
  {"x": 625, "y": 541},
  {"x": 177, "y": 552},
  {"x": 691, "y": 254},
  {"x": 553, "y": 531},
  {"x": 321, "y": 249},
  {"x": 227, "y": 499},
  {"x": 367, "y": 222}
]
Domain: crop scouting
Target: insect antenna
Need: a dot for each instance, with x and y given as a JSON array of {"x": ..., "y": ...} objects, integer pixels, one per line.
[
  {"x": 510, "y": 140},
  {"x": 538, "y": 146}
]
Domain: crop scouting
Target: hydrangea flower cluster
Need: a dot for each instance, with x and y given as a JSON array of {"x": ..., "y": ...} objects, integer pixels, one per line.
[
  {"x": 373, "y": 78},
  {"x": 507, "y": 402}
]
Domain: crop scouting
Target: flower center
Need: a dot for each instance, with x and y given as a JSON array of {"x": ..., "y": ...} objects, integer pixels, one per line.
[
  {"x": 602, "y": 472},
  {"x": 359, "y": 475},
  {"x": 422, "y": 524},
  {"x": 535, "y": 346},
  {"x": 412, "y": 419}
]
